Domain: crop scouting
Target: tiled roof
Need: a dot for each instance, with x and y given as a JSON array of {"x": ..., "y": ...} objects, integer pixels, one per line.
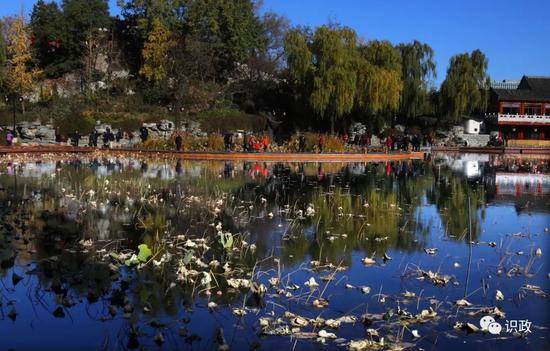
[{"x": 536, "y": 89}]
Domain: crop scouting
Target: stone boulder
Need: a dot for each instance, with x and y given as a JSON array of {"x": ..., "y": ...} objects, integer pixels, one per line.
[
  {"x": 35, "y": 132},
  {"x": 162, "y": 129},
  {"x": 357, "y": 129}
]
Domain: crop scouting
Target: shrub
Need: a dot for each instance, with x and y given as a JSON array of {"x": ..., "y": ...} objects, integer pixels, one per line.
[
  {"x": 157, "y": 144},
  {"x": 332, "y": 143},
  {"x": 70, "y": 118},
  {"x": 223, "y": 120},
  {"x": 212, "y": 142}
]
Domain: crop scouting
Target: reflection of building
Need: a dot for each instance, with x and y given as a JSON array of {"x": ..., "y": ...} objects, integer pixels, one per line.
[
  {"x": 522, "y": 112},
  {"x": 522, "y": 183},
  {"x": 468, "y": 165}
]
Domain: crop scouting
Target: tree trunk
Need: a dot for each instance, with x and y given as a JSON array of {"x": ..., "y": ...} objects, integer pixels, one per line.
[{"x": 332, "y": 124}]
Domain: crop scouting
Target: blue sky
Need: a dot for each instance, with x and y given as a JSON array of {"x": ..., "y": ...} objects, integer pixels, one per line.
[{"x": 514, "y": 34}]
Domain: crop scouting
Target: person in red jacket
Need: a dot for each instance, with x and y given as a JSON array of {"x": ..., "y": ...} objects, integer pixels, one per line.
[
  {"x": 265, "y": 142},
  {"x": 389, "y": 143}
]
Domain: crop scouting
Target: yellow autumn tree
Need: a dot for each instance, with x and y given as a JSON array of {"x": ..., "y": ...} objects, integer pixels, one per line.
[
  {"x": 155, "y": 52},
  {"x": 21, "y": 75}
]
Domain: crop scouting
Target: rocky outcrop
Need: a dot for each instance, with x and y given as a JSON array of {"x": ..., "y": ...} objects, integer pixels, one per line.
[
  {"x": 35, "y": 132},
  {"x": 162, "y": 129}
]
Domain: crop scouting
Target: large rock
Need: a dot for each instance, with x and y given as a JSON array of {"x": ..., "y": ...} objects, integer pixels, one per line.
[
  {"x": 102, "y": 128},
  {"x": 162, "y": 129},
  {"x": 357, "y": 129},
  {"x": 35, "y": 132}
]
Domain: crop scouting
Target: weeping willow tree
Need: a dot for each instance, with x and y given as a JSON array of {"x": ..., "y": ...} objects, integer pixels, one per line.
[
  {"x": 338, "y": 75},
  {"x": 418, "y": 68},
  {"x": 465, "y": 89},
  {"x": 322, "y": 67},
  {"x": 335, "y": 78},
  {"x": 379, "y": 83}
]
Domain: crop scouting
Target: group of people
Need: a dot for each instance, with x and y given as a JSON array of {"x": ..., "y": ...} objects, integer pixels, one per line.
[
  {"x": 254, "y": 144},
  {"x": 403, "y": 142},
  {"x": 95, "y": 137}
]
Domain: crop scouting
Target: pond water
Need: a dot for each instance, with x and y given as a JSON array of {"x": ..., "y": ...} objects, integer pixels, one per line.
[{"x": 139, "y": 253}]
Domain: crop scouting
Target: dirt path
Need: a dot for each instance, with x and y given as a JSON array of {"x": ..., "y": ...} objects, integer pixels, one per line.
[{"x": 268, "y": 156}]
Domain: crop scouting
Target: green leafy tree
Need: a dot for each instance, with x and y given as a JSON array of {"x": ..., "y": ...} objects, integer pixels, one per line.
[
  {"x": 418, "y": 68},
  {"x": 47, "y": 30},
  {"x": 465, "y": 88},
  {"x": 145, "y": 12},
  {"x": 156, "y": 53},
  {"x": 379, "y": 80},
  {"x": 323, "y": 66},
  {"x": 85, "y": 22},
  {"x": 137, "y": 22},
  {"x": 230, "y": 27}
]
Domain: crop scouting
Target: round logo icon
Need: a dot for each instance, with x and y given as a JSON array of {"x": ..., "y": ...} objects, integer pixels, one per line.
[
  {"x": 495, "y": 328},
  {"x": 485, "y": 321}
]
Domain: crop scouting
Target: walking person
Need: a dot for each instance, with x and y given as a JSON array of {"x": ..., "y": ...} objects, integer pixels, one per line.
[
  {"x": 9, "y": 138},
  {"x": 119, "y": 135},
  {"x": 179, "y": 142},
  {"x": 245, "y": 142},
  {"x": 108, "y": 137},
  {"x": 389, "y": 143},
  {"x": 143, "y": 134},
  {"x": 76, "y": 138},
  {"x": 265, "y": 143},
  {"x": 302, "y": 143}
]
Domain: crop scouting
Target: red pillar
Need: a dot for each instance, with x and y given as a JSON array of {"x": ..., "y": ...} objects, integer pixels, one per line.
[{"x": 521, "y": 108}]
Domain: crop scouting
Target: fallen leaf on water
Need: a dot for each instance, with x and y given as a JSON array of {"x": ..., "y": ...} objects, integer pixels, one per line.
[
  {"x": 347, "y": 319},
  {"x": 430, "y": 251},
  {"x": 463, "y": 302},
  {"x": 320, "y": 302},
  {"x": 239, "y": 312},
  {"x": 499, "y": 295},
  {"x": 299, "y": 321},
  {"x": 538, "y": 252},
  {"x": 415, "y": 333},
  {"x": 332, "y": 323},
  {"x": 368, "y": 261},
  {"x": 326, "y": 335},
  {"x": 311, "y": 283}
]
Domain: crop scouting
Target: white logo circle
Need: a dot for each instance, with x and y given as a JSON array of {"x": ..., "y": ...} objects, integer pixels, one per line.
[
  {"x": 495, "y": 328},
  {"x": 485, "y": 321}
]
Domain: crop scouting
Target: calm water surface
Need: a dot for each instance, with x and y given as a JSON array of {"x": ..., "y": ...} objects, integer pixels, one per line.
[{"x": 476, "y": 221}]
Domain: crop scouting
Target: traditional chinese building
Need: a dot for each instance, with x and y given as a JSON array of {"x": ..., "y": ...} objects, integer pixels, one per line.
[{"x": 521, "y": 110}]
